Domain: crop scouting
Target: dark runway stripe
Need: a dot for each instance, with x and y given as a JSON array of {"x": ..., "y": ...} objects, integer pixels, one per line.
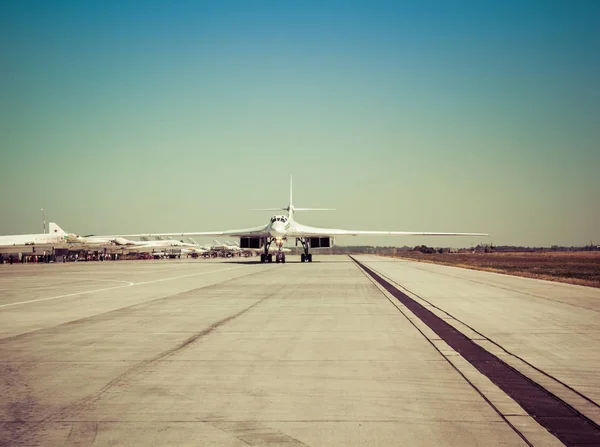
[{"x": 559, "y": 418}]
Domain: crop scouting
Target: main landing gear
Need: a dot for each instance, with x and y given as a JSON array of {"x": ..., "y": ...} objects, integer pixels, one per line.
[{"x": 306, "y": 256}]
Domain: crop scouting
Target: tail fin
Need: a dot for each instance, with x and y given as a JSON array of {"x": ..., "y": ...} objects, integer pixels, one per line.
[
  {"x": 55, "y": 230},
  {"x": 291, "y": 208}
]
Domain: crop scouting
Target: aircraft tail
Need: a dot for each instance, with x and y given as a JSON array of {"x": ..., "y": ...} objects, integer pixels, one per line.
[
  {"x": 291, "y": 208},
  {"x": 55, "y": 230}
]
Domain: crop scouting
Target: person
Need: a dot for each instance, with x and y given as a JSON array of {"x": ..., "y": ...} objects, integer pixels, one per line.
[{"x": 11, "y": 259}]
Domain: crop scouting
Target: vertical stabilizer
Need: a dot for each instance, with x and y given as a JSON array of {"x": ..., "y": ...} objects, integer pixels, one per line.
[
  {"x": 291, "y": 208},
  {"x": 290, "y": 205},
  {"x": 291, "y": 188},
  {"x": 55, "y": 230}
]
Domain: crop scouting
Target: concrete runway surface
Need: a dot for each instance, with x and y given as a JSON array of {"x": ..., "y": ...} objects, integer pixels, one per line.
[{"x": 222, "y": 352}]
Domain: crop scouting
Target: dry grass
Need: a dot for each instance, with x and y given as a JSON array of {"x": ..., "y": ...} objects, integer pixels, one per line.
[{"x": 582, "y": 268}]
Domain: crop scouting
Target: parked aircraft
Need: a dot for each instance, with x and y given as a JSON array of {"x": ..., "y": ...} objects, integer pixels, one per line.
[
  {"x": 58, "y": 238},
  {"x": 231, "y": 249},
  {"x": 161, "y": 245},
  {"x": 86, "y": 242},
  {"x": 55, "y": 237},
  {"x": 282, "y": 228}
]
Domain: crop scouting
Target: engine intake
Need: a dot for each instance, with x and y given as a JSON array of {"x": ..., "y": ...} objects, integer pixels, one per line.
[
  {"x": 321, "y": 242},
  {"x": 252, "y": 242}
]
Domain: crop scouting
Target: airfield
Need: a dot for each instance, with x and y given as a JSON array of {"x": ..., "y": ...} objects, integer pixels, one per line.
[{"x": 235, "y": 352}]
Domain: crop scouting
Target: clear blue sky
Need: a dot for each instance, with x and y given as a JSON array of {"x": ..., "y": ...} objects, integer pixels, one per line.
[{"x": 122, "y": 116}]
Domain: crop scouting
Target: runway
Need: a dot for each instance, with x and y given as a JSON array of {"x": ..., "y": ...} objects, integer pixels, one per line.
[{"x": 240, "y": 353}]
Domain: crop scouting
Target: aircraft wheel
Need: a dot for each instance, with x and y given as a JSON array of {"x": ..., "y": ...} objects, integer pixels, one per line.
[
  {"x": 302, "y": 257},
  {"x": 283, "y": 258},
  {"x": 309, "y": 257},
  {"x": 270, "y": 258}
]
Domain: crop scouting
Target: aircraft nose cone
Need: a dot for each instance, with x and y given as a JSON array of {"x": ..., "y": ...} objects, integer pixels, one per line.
[{"x": 277, "y": 229}]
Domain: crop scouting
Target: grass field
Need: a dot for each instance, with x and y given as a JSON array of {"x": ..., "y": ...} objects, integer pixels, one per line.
[{"x": 581, "y": 268}]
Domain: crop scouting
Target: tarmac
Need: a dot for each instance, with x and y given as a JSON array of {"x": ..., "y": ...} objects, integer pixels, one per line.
[{"x": 237, "y": 353}]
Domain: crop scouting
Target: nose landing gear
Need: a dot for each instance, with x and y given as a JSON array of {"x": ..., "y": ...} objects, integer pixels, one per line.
[{"x": 268, "y": 257}]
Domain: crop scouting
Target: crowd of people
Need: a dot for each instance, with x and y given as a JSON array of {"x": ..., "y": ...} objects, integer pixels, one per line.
[
  {"x": 20, "y": 258},
  {"x": 26, "y": 259}
]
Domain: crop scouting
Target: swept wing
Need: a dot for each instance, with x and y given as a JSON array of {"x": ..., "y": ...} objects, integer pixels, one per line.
[
  {"x": 263, "y": 230},
  {"x": 299, "y": 230}
]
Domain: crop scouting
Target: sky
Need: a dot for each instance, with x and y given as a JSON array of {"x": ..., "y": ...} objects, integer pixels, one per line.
[{"x": 147, "y": 116}]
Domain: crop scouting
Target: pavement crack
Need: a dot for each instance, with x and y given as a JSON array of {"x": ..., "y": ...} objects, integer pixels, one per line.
[
  {"x": 119, "y": 310},
  {"x": 23, "y": 433},
  {"x": 121, "y": 378}
]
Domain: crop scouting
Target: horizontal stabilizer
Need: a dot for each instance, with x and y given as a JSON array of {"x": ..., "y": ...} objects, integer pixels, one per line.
[
  {"x": 270, "y": 209},
  {"x": 314, "y": 209}
]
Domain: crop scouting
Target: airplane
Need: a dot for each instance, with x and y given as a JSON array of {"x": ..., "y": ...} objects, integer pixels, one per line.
[
  {"x": 99, "y": 241},
  {"x": 230, "y": 249},
  {"x": 59, "y": 238},
  {"x": 193, "y": 249},
  {"x": 280, "y": 228},
  {"x": 164, "y": 247},
  {"x": 55, "y": 237}
]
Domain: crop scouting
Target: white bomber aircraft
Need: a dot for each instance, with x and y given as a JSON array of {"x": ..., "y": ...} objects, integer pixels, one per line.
[
  {"x": 281, "y": 228},
  {"x": 56, "y": 236}
]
